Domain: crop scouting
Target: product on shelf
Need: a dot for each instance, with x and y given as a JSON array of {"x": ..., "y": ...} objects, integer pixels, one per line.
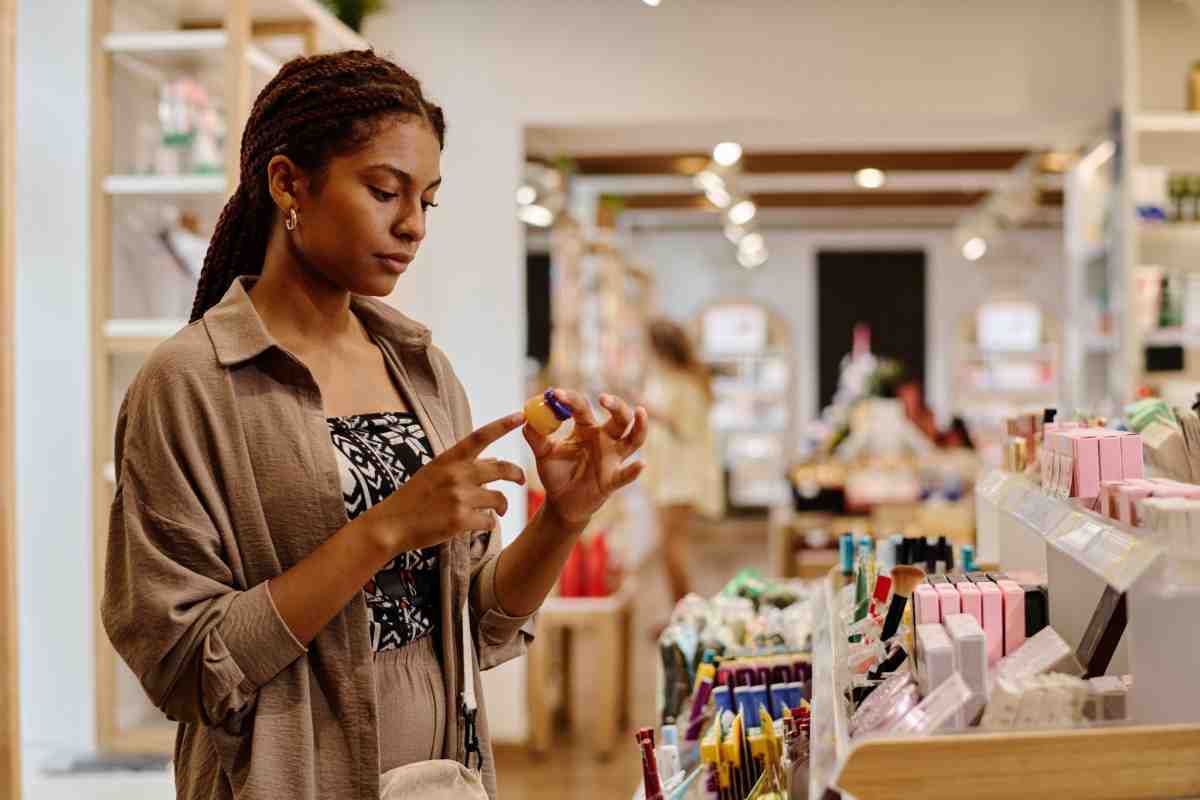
[{"x": 735, "y": 679}]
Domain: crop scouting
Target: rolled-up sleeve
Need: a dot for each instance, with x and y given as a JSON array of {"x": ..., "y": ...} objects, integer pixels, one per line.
[
  {"x": 499, "y": 636},
  {"x": 200, "y": 643}
]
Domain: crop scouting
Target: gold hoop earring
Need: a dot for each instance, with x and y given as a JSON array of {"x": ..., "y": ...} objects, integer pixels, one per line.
[{"x": 291, "y": 220}]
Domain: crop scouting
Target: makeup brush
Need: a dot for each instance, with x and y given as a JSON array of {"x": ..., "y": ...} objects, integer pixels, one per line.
[{"x": 905, "y": 578}]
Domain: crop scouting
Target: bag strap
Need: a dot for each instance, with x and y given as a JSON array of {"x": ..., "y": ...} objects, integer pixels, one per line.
[{"x": 470, "y": 704}]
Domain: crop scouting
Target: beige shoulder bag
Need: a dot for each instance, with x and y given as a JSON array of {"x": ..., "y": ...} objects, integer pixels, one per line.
[{"x": 445, "y": 779}]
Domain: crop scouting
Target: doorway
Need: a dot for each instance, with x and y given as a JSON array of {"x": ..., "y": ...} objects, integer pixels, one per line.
[{"x": 885, "y": 290}]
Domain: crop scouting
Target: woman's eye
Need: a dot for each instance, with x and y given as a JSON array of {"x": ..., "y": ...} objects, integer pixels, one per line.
[
  {"x": 428, "y": 204},
  {"x": 382, "y": 196}
]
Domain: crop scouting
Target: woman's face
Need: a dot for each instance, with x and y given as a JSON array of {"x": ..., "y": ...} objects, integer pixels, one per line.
[{"x": 364, "y": 224}]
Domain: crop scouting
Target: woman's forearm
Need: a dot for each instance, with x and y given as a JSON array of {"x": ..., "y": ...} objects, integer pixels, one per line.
[
  {"x": 311, "y": 593},
  {"x": 527, "y": 568}
]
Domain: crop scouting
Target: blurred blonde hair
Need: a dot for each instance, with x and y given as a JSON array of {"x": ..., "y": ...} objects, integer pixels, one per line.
[{"x": 671, "y": 343}]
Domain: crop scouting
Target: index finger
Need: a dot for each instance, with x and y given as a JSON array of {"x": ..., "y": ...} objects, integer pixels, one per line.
[{"x": 482, "y": 438}]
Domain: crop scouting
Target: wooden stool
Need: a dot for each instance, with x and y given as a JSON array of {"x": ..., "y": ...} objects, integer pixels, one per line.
[{"x": 596, "y": 632}]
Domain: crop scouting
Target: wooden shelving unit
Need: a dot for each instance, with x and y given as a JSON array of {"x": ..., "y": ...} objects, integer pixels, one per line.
[
  {"x": 753, "y": 412},
  {"x": 1159, "y": 44},
  {"x": 10, "y": 738},
  {"x": 237, "y": 45}
]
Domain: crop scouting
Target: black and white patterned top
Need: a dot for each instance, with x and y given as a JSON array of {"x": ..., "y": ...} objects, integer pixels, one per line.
[{"x": 376, "y": 454}]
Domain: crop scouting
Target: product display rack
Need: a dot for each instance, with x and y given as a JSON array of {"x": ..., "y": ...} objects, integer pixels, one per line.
[
  {"x": 238, "y": 45},
  {"x": 1159, "y": 44},
  {"x": 752, "y": 408},
  {"x": 1085, "y": 552}
]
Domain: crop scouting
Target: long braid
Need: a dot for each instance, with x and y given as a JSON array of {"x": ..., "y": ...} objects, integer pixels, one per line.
[{"x": 313, "y": 109}]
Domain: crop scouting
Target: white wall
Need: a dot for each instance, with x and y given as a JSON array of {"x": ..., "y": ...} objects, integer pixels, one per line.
[
  {"x": 53, "y": 380},
  {"x": 694, "y": 267},
  {"x": 770, "y": 73}
]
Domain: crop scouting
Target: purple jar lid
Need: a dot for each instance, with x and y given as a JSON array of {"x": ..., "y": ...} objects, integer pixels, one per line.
[{"x": 561, "y": 411}]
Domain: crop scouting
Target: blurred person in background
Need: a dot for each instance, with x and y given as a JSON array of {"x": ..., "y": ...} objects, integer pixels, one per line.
[{"x": 682, "y": 472}]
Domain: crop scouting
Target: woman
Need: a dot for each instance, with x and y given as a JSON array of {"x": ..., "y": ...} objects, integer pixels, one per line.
[
  {"x": 297, "y": 475},
  {"x": 683, "y": 475}
]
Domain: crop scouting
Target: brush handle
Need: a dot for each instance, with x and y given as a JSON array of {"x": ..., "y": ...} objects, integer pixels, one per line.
[{"x": 895, "y": 614}]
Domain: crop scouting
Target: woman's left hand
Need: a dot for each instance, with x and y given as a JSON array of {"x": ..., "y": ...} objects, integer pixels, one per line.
[{"x": 580, "y": 472}]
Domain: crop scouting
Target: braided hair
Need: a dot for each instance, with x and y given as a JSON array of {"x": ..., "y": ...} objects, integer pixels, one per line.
[{"x": 316, "y": 107}]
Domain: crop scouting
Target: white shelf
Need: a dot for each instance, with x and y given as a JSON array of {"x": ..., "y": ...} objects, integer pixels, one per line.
[
  {"x": 164, "y": 184},
  {"x": 139, "y": 336},
  {"x": 1178, "y": 122},
  {"x": 1113, "y": 552},
  {"x": 331, "y": 33},
  {"x": 1169, "y": 338},
  {"x": 146, "y": 42}
]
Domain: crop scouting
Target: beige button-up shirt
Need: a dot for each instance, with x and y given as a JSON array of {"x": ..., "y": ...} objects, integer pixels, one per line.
[{"x": 226, "y": 477}]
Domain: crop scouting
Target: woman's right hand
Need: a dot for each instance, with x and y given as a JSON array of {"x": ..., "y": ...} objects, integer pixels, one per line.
[{"x": 447, "y": 496}]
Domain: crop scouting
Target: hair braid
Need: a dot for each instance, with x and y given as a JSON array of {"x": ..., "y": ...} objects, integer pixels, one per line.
[{"x": 313, "y": 109}]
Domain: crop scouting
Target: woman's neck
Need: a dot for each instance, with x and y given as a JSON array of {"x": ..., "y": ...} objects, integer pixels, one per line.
[{"x": 298, "y": 305}]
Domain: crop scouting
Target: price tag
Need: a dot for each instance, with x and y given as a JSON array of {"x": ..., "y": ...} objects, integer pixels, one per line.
[{"x": 1077, "y": 540}]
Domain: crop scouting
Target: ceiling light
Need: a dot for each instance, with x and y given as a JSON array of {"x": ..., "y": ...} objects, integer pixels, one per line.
[
  {"x": 526, "y": 195},
  {"x": 870, "y": 178},
  {"x": 751, "y": 243},
  {"x": 718, "y": 197},
  {"x": 652, "y": 3},
  {"x": 735, "y": 233},
  {"x": 727, "y": 153},
  {"x": 974, "y": 248},
  {"x": 742, "y": 213},
  {"x": 540, "y": 216},
  {"x": 752, "y": 260},
  {"x": 707, "y": 179}
]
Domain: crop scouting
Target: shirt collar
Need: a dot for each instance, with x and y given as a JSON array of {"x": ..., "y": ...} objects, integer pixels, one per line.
[{"x": 238, "y": 333}]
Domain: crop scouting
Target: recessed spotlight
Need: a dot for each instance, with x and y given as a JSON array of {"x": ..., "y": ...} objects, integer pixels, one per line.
[
  {"x": 751, "y": 243},
  {"x": 526, "y": 195},
  {"x": 752, "y": 260},
  {"x": 974, "y": 248},
  {"x": 539, "y": 216},
  {"x": 870, "y": 178},
  {"x": 652, "y": 3},
  {"x": 718, "y": 196},
  {"x": 743, "y": 212},
  {"x": 727, "y": 153}
]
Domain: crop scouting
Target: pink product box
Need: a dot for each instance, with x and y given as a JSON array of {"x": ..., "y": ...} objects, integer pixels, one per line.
[
  {"x": 1109, "y": 498},
  {"x": 1046, "y": 456},
  {"x": 949, "y": 599},
  {"x": 926, "y": 606},
  {"x": 1128, "y": 496},
  {"x": 1111, "y": 465},
  {"x": 992, "y": 603},
  {"x": 1085, "y": 471},
  {"x": 1131, "y": 456},
  {"x": 1014, "y": 615},
  {"x": 971, "y": 600}
]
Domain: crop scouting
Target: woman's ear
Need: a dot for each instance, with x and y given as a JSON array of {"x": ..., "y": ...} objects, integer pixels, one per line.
[{"x": 287, "y": 183}]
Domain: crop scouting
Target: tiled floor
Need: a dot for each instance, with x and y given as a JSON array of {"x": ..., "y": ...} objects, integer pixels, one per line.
[{"x": 718, "y": 552}]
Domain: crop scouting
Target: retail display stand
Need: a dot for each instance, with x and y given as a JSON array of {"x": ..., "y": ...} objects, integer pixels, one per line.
[
  {"x": 599, "y": 637},
  {"x": 1085, "y": 552},
  {"x": 237, "y": 45}
]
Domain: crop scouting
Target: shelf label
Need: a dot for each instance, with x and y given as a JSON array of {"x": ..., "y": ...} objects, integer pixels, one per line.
[{"x": 1116, "y": 557}]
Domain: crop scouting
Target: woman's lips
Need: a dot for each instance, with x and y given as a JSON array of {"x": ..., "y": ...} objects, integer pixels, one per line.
[{"x": 396, "y": 262}]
